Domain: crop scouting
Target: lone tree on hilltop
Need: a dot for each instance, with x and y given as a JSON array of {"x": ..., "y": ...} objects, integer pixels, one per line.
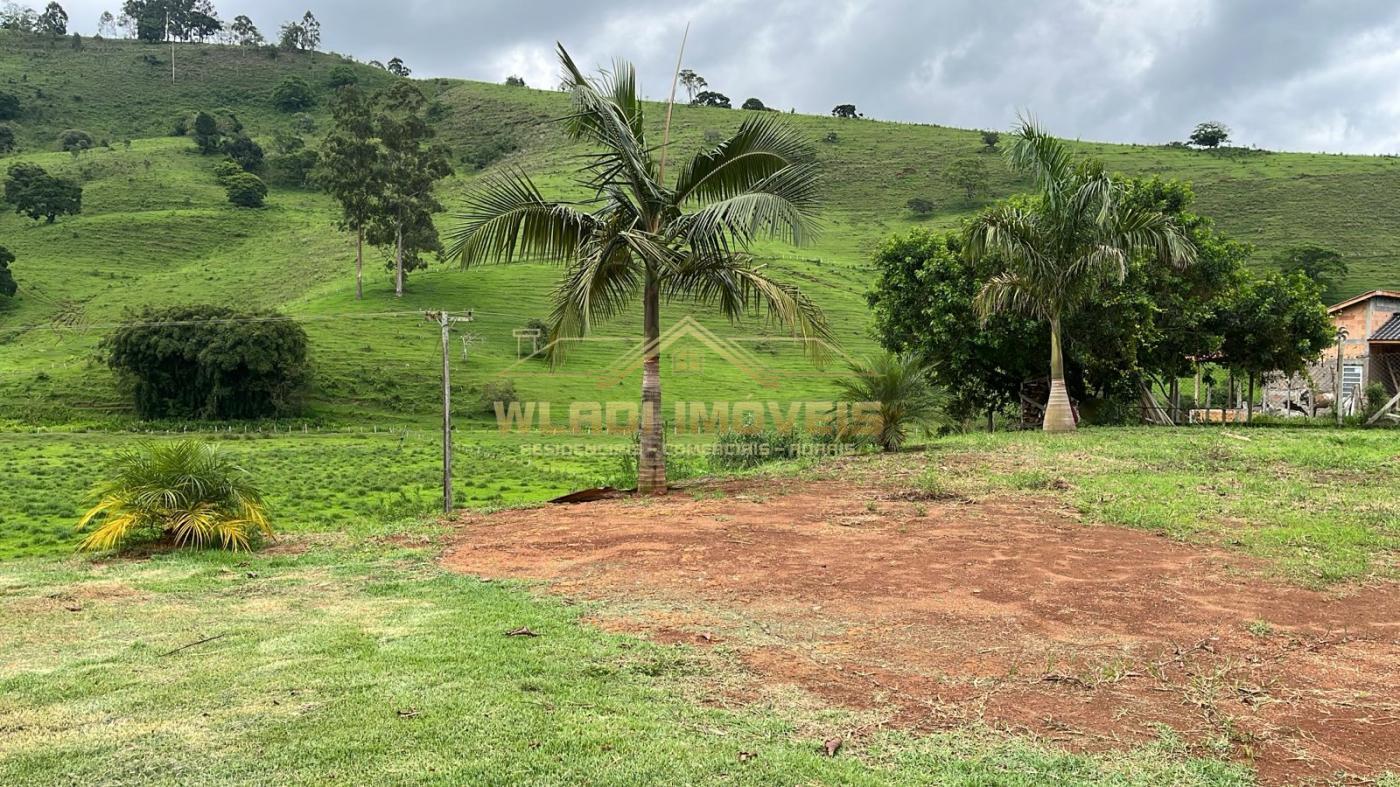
[
  {"x": 693, "y": 82},
  {"x": 1211, "y": 134},
  {"x": 710, "y": 98},
  {"x": 644, "y": 238}
]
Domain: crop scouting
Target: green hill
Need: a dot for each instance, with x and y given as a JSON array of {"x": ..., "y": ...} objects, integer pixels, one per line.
[{"x": 156, "y": 229}]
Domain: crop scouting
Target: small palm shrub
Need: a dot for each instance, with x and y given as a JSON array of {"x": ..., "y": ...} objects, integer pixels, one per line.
[
  {"x": 185, "y": 491},
  {"x": 900, "y": 385}
]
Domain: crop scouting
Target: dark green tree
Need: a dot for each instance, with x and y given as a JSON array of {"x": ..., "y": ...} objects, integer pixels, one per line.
[
  {"x": 397, "y": 68},
  {"x": 693, "y": 82},
  {"x": 210, "y": 362},
  {"x": 1325, "y": 267},
  {"x": 75, "y": 139},
  {"x": 709, "y": 98},
  {"x": 754, "y": 105},
  {"x": 1274, "y": 322},
  {"x": 207, "y": 135},
  {"x": 921, "y": 207},
  {"x": 245, "y": 152},
  {"x": 845, "y": 111},
  {"x": 245, "y": 33},
  {"x": 351, "y": 169},
  {"x": 515, "y": 81},
  {"x": 7, "y": 139},
  {"x": 402, "y": 212},
  {"x": 53, "y": 21},
  {"x": 293, "y": 94},
  {"x": 925, "y": 301},
  {"x": 37, "y": 194},
  {"x": 9, "y": 105},
  {"x": 1211, "y": 134},
  {"x": 342, "y": 75},
  {"x": 8, "y": 287},
  {"x": 990, "y": 140}
]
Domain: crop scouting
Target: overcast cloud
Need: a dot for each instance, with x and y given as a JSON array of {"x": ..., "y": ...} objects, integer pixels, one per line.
[{"x": 1320, "y": 75}]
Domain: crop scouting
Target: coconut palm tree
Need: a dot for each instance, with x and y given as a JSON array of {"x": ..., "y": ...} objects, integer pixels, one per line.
[
  {"x": 642, "y": 237},
  {"x": 1060, "y": 246}
]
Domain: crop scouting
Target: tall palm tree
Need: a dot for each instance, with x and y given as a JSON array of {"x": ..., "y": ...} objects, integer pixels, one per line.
[
  {"x": 642, "y": 237},
  {"x": 1060, "y": 247}
]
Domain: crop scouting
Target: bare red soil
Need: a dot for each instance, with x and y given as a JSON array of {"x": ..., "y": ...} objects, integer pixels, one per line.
[{"x": 1011, "y": 613}]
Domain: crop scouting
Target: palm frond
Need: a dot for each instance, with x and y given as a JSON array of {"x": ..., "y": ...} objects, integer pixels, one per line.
[
  {"x": 1010, "y": 292},
  {"x": 1043, "y": 157},
  {"x": 507, "y": 219},
  {"x": 608, "y": 113},
  {"x": 761, "y": 147},
  {"x": 736, "y": 287},
  {"x": 781, "y": 205}
]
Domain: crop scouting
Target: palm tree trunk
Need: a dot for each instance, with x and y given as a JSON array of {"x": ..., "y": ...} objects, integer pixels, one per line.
[
  {"x": 1059, "y": 416},
  {"x": 651, "y": 464},
  {"x": 398, "y": 262},
  {"x": 360, "y": 264}
]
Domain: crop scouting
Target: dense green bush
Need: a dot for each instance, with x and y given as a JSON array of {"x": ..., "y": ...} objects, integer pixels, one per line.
[
  {"x": 246, "y": 190},
  {"x": 293, "y": 94},
  {"x": 743, "y": 448},
  {"x": 341, "y": 76},
  {"x": 75, "y": 139},
  {"x": 9, "y": 106},
  {"x": 7, "y": 139},
  {"x": 8, "y": 288},
  {"x": 210, "y": 362},
  {"x": 226, "y": 170},
  {"x": 245, "y": 151}
]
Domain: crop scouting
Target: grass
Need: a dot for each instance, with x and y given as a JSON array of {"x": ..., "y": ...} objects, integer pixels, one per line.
[
  {"x": 1319, "y": 506},
  {"x": 359, "y": 659}
]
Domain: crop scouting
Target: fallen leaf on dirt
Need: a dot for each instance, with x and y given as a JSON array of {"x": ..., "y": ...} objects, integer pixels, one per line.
[
  {"x": 832, "y": 746},
  {"x": 523, "y": 631}
]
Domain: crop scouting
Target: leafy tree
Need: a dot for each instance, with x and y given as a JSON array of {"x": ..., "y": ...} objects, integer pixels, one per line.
[
  {"x": 210, "y": 362},
  {"x": 755, "y": 105},
  {"x": 37, "y": 194},
  {"x": 17, "y": 18},
  {"x": 693, "y": 83},
  {"x": 293, "y": 94},
  {"x": 925, "y": 302},
  {"x": 990, "y": 140},
  {"x": 341, "y": 76},
  {"x": 901, "y": 386},
  {"x": 8, "y": 287},
  {"x": 351, "y": 169},
  {"x": 54, "y": 21},
  {"x": 921, "y": 207},
  {"x": 709, "y": 98},
  {"x": 245, "y": 190},
  {"x": 245, "y": 152},
  {"x": 207, "y": 136},
  {"x": 1210, "y": 135},
  {"x": 646, "y": 238},
  {"x": 845, "y": 111},
  {"x": 186, "y": 492},
  {"x": 106, "y": 25},
  {"x": 1275, "y": 322},
  {"x": 9, "y": 106},
  {"x": 75, "y": 139},
  {"x": 176, "y": 20},
  {"x": 1059, "y": 248},
  {"x": 245, "y": 33},
  {"x": 226, "y": 170},
  {"x": 1324, "y": 267},
  {"x": 293, "y": 168},
  {"x": 7, "y": 139},
  {"x": 515, "y": 81},
  {"x": 401, "y": 215},
  {"x": 310, "y": 32},
  {"x": 970, "y": 175},
  {"x": 397, "y": 68}
]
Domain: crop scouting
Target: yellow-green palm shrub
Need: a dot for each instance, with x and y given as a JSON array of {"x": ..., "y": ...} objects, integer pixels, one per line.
[{"x": 185, "y": 491}]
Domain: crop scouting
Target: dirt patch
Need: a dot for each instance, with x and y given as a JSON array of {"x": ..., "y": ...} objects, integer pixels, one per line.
[{"x": 1008, "y": 612}]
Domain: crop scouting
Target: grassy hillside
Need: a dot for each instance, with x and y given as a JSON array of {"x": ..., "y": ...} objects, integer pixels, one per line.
[{"x": 157, "y": 230}]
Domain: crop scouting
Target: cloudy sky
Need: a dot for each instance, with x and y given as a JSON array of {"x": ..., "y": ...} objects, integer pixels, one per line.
[{"x": 1321, "y": 75}]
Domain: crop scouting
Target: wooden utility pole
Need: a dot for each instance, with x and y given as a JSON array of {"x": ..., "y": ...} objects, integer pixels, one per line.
[
  {"x": 1337, "y": 383},
  {"x": 445, "y": 322}
]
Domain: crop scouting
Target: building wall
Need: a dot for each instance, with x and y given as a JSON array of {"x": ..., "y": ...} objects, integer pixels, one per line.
[{"x": 1360, "y": 321}]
